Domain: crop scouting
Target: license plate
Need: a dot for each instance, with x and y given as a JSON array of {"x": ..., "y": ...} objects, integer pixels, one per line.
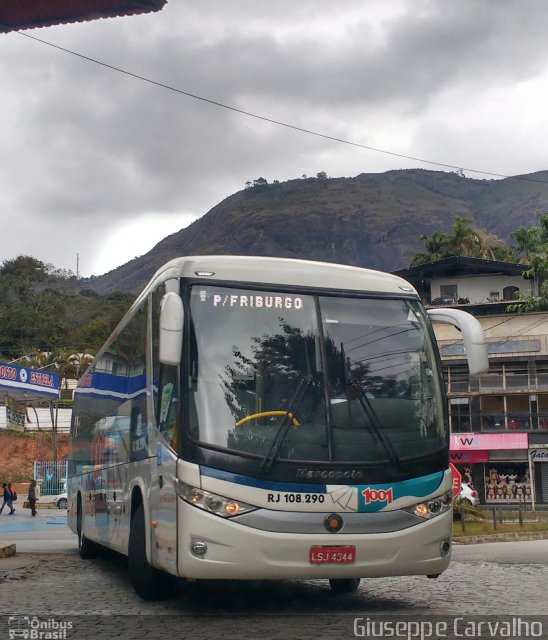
[{"x": 332, "y": 555}]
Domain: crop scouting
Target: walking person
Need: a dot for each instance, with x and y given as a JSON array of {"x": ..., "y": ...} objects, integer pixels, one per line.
[
  {"x": 34, "y": 494},
  {"x": 13, "y": 498},
  {"x": 6, "y": 497}
]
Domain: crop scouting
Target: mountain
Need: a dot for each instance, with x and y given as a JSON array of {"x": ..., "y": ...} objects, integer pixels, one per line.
[{"x": 373, "y": 220}]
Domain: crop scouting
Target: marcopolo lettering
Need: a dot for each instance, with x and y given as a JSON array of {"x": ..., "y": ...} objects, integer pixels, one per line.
[{"x": 333, "y": 474}]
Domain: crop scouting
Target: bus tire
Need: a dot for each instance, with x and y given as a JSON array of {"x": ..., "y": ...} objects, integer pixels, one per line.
[
  {"x": 148, "y": 582},
  {"x": 346, "y": 585},
  {"x": 86, "y": 548}
]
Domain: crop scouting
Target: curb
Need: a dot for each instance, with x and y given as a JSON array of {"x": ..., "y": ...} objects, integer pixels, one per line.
[{"x": 7, "y": 549}]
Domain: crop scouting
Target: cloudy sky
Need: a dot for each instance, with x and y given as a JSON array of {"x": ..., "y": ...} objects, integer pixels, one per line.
[{"x": 100, "y": 163}]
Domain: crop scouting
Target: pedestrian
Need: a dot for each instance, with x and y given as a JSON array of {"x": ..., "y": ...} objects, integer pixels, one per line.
[
  {"x": 34, "y": 494},
  {"x": 13, "y": 498},
  {"x": 6, "y": 497}
]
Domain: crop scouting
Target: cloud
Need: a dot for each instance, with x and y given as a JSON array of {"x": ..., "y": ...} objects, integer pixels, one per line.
[{"x": 88, "y": 151}]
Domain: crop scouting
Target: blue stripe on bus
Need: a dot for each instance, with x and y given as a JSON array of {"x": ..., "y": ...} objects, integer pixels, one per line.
[{"x": 419, "y": 487}]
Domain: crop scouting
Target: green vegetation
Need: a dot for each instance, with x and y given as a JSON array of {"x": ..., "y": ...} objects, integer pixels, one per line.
[
  {"x": 534, "y": 242},
  {"x": 52, "y": 318},
  {"x": 531, "y": 248},
  {"x": 465, "y": 240}
]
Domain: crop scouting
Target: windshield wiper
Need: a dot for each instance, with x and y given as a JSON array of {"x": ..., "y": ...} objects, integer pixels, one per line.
[
  {"x": 281, "y": 433},
  {"x": 372, "y": 423}
]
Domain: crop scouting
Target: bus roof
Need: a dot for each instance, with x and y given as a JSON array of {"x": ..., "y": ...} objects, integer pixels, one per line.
[{"x": 282, "y": 271}]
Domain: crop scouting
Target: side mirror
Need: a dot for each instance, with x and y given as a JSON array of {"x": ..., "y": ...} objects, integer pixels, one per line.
[
  {"x": 172, "y": 317},
  {"x": 472, "y": 336}
]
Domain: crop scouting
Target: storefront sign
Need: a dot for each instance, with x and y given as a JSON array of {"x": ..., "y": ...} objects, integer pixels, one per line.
[
  {"x": 538, "y": 455},
  {"x": 460, "y": 457},
  {"x": 488, "y": 441},
  {"x": 32, "y": 382}
]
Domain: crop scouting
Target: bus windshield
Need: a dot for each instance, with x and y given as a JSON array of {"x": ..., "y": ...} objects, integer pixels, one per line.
[{"x": 315, "y": 378}]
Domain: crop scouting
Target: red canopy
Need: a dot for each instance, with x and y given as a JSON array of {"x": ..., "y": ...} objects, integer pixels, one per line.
[{"x": 27, "y": 14}]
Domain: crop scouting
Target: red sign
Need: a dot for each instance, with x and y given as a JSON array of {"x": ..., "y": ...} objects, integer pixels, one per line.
[
  {"x": 457, "y": 479},
  {"x": 468, "y": 457}
]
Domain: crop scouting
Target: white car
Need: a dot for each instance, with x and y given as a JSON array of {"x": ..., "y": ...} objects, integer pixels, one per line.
[
  {"x": 60, "y": 501},
  {"x": 468, "y": 494}
]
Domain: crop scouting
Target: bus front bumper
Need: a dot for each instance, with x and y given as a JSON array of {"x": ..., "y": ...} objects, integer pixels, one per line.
[{"x": 229, "y": 550}]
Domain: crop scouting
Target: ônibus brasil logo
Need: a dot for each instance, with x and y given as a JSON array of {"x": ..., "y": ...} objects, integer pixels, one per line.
[{"x": 377, "y": 495}]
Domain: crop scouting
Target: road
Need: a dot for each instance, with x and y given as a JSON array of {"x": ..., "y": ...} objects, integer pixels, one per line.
[{"x": 48, "y": 580}]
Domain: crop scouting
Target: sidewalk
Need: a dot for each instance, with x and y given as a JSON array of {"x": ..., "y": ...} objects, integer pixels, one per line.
[{"x": 47, "y": 532}]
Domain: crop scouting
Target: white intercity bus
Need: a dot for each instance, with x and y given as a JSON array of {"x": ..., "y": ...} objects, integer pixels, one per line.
[{"x": 268, "y": 418}]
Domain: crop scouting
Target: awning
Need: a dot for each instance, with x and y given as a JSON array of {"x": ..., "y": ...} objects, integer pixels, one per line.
[{"x": 28, "y": 14}]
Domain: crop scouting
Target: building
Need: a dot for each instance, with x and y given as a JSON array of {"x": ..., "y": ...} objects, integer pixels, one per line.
[{"x": 499, "y": 420}]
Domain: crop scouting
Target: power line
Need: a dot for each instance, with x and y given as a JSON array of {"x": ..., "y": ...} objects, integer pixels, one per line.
[{"x": 272, "y": 120}]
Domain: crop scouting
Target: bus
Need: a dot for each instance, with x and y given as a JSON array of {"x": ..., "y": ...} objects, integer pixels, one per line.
[{"x": 268, "y": 418}]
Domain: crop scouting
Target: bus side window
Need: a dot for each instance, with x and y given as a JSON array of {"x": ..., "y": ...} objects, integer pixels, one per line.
[{"x": 168, "y": 409}]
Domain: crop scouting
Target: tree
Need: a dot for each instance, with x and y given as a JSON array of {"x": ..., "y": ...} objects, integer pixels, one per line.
[
  {"x": 465, "y": 240},
  {"x": 527, "y": 241},
  {"x": 536, "y": 241},
  {"x": 437, "y": 246}
]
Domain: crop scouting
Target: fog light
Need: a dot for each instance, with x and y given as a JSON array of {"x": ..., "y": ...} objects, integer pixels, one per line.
[
  {"x": 445, "y": 547},
  {"x": 199, "y": 548}
]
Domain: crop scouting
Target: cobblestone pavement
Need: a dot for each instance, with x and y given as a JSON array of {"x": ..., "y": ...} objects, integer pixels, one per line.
[{"x": 98, "y": 600}]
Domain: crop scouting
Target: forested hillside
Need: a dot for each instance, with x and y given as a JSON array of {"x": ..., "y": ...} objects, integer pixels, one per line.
[
  {"x": 47, "y": 310},
  {"x": 381, "y": 221},
  {"x": 373, "y": 220}
]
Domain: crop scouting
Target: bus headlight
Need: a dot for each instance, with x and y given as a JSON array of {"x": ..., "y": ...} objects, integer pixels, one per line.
[
  {"x": 432, "y": 507},
  {"x": 211, "y": 502}
]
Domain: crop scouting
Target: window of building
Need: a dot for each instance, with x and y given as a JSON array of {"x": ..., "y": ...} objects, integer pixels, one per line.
[
  {"x": 517, "y": 377},
  {"x": 492, "y": 380},
  {"x": 448, "y": 292},
  {"x": 457, "y": 379}
]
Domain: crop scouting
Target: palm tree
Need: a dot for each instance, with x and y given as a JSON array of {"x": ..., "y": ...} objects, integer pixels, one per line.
[
  {"x": 527, "y": 241},
  {"x": 437, "y": 246},
  {"x": 464, "y": 239}
]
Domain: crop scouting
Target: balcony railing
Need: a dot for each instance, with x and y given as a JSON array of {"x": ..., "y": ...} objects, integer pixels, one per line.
[{"x": 489, "y": 422}]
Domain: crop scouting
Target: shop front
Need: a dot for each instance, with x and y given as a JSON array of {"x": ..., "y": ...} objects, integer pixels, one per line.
[
  {"x": 538, "y": 454},
  {"x": 497, "y": 465}
]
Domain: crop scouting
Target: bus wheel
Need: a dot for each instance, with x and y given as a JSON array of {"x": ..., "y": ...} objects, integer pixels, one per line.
[
  {"x": 346, "y": 585},
  {"x": 148, "y": 582},
  {"x": 86, "y": 548}
]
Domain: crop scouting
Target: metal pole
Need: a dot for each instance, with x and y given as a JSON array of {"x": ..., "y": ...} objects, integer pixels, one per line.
[{"x": 531, "y": 479}]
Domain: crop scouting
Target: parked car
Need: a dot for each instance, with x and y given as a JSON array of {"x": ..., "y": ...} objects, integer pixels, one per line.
[
  {"x": 60, "y": 501},
  {"x": 468, "y": 495}
]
